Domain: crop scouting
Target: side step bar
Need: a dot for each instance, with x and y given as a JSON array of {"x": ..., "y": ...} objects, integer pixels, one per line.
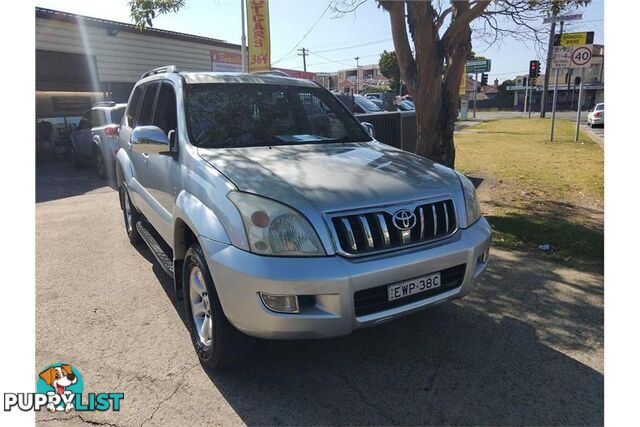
[{"x": 156, "y": 249}]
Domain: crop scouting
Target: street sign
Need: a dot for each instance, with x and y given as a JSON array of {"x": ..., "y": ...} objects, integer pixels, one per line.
[
  {"x": 561, "y": 57},
  {"x": 474, "y": 66},
  {"x": 572, "y": 39},
  {"x": 566, "y": 57},
  {"x": 581, "y": 56},
  {"x": 560, "y": 18}
]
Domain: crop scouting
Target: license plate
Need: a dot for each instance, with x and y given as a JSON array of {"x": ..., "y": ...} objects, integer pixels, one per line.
[{"x": 413, "y": 286}]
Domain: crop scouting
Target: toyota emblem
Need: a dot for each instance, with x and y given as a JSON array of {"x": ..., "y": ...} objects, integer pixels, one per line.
[{"x": 404, "y": 219}]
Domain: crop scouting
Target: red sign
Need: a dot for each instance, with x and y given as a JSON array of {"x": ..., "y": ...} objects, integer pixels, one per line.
[{"x": 297, "y": 74}]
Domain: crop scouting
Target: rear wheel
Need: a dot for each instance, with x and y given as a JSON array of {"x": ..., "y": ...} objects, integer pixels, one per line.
[
  {"x": 217, "y": 343},
  {"x": 75, "y": 158},
  {"x": 99, "y": 159},
  {"x": 131, "y": 216}
]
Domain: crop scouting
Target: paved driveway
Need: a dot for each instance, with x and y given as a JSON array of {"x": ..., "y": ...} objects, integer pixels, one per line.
[{"x": 526, "y": 347}]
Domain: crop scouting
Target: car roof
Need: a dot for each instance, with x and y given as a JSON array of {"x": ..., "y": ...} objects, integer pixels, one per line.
[{"x": 214, "y": 77}]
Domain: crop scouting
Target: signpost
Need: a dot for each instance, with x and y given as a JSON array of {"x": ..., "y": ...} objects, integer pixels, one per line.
[
  {"x": 561, "y": 18},
  {"x": 477, "y": 66}
]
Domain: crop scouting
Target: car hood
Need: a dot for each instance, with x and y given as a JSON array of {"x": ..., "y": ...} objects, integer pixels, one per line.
[{"x": 331, "y": 176}]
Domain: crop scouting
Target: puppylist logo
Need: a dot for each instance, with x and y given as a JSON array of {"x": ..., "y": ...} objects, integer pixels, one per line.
[{"x": 60, "y": 387}]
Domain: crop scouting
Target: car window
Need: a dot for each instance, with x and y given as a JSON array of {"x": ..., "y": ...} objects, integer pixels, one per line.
[
  {"x": 599, "y": 107},
  {"x": 165, "y": 116},
  {"x": 245, "y": 115},
  {"x": 97, "y": 118},
  {"x": 145, "y": 115},
  {"x": 132, "y": 107},
  {"x": 116, "y": 115},
  {"x": 366, "y": 104},
  {"x": 85, "y": 121}
]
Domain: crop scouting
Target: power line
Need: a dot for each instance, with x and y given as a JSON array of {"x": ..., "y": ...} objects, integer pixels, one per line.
[
  {"x": 355, "y": 45},
  {"x": 305, "y": 34}
]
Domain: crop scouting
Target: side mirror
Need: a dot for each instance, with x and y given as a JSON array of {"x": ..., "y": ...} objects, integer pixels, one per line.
[
  {"x": 368, "y": 127},
  {"x": 149, "y": 140}
]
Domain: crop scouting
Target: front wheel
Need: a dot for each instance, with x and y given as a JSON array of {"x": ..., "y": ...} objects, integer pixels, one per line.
[{"x": 217, "y": 343}]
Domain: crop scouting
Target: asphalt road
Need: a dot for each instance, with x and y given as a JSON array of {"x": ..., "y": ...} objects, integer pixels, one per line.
[{"x": 525, "y": 348}]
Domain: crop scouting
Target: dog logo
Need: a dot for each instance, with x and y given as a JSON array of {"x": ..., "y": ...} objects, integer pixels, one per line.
[
  {"x": 62, "y": 380},
  {"x": 404, "y": 219}
]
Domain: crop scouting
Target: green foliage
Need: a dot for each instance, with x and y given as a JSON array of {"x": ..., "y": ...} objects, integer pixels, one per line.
[
  {"x": 473, "y": 55},
  {"x": 390, "y": 69},
  {"x": 143, "y": 12},
  {"x": 503, "y": 93}
]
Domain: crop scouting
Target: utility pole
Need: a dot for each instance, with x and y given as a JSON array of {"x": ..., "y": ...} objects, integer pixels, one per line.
[
  {"x": 357, "y": 58},
  {"x": 243, "y": 40},
  {"x": 555, "y": 90},
  {"x": 304, "y": 54},
  {"x": 545, "y": 87}
]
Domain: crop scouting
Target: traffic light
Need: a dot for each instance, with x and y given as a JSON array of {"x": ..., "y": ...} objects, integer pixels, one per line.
[
  {"x": 524, "y": 81},
  {"x": 534, "y": 68},
  {"x": 484, "y": 80},
  {"x": 577, "y": 81},
  {"x": 566, "y": 78}
]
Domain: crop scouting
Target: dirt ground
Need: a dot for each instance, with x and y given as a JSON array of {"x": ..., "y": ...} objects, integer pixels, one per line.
[{"x": 525, "y": 348}]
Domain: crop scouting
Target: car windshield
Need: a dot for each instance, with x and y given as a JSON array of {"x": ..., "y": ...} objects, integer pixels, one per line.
[
  {"x": 223, "y": 115},
  {"x": 366, "y": 104}
]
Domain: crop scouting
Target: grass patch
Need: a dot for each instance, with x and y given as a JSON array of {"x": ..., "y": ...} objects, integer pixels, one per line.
[{"x": 536, "y": 192}]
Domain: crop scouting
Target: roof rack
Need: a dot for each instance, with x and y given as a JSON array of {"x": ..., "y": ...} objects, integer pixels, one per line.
[
  {"x": 159, "y": 70},
  {"x": 104, "y": 104}
]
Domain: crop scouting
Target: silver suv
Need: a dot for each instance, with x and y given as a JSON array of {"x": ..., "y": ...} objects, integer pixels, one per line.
[
  {"x": 280, "y": 216},
  {"x": 96, "y": 138}
]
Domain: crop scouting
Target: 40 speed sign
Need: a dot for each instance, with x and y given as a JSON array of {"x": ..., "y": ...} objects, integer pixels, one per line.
[{"x": 580, "y": 56}]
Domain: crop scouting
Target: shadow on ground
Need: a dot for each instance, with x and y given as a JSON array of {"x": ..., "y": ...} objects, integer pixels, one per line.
[
  {"x": 487, "y": 359},
  {"x": 58, "y": 180}
]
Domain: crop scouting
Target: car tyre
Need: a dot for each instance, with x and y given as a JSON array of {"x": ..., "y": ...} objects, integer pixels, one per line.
[
  {"x": 219, "y": 344},
  {"x": 131, "y": 216},
  {"x": 75, "y": 158},
  {"x": 99, "y": 163}
]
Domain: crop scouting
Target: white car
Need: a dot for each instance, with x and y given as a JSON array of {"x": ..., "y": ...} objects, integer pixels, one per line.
[{"x": 596, "y": 116}]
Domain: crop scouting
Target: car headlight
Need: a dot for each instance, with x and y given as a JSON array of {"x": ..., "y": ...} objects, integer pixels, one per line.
[
  {"x": 470, "y": 200},
  {"x": 274, "y": 228}
]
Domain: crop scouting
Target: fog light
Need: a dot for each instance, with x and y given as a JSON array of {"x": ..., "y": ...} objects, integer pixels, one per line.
[{"x": 280, "y": 303}]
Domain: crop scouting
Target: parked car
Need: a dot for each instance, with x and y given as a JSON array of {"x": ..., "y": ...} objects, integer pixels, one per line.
[
  {"x": 405, "y": 105},
  {"x": 282, "y": 221},
  {"x": 379, "y": 103},
  {"x": 96, "y": 138},
  {"x": 379, "y": 96},
  {"x": 596, "y": 116},
  {"x": 364, "y": 105}
]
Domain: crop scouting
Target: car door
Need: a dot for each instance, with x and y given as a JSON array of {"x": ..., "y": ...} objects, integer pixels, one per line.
[
  {"x": 141, "y": 115},
  {"x": 162, "y": 171},
  {"x": 82, "y": 136}
]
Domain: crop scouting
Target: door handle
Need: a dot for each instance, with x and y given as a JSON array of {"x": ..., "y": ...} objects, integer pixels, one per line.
[{"x": 145, "y": 156}]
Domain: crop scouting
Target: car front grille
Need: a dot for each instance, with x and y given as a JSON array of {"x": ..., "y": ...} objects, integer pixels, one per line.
[
  {"x": 364, "y": 233},
  {"x": 373, "y": 300}
]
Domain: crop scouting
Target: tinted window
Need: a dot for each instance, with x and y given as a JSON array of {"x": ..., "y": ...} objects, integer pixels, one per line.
[
  {"x": 85, "y": 121},
  {"x": 146, "y": 106},
  {"x": 98, "y": 118},
  {"x": 116, "y": 115},
  {"x": 132, "y": 108},
  {"x": 244, "y": 115},
  {"x": 165, "y": 112},
  {"x": 599, "y": 107}
]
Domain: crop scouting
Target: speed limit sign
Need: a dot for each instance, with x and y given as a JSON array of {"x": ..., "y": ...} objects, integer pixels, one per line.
[{"x": 580, "y": 56}]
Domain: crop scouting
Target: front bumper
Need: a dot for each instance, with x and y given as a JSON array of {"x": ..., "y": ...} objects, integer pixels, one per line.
[{"x": 239, "y": 276}]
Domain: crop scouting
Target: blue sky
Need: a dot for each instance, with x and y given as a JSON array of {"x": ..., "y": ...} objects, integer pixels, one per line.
[{"x": 333, "y": 42}]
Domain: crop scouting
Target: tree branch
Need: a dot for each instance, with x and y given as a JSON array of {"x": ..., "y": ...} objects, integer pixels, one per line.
[{"x": 406, "y": 61}]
